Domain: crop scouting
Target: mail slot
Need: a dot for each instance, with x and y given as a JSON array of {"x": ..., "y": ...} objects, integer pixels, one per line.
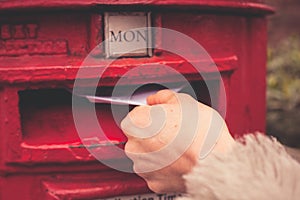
[{"x": 42, "y": 47}]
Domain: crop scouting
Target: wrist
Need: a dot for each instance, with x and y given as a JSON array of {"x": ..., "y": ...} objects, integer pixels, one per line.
[{"x": 213, "y": 136}]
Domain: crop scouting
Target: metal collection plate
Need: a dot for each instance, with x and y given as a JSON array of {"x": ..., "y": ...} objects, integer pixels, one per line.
[{"x": 127, "y": 34}]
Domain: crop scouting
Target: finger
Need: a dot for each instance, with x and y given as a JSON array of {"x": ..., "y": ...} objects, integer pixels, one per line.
[
  {"x": 162, "y": 97},
  {"x": 139, "y": 117},
  {"x": 144, "y": 122}
]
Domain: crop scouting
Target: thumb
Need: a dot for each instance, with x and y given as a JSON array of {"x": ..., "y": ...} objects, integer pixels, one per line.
[{"x": 162, "y": 97}]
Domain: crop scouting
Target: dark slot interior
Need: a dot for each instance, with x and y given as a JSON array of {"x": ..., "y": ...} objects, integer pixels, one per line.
[{"x": 46, "y": 115}]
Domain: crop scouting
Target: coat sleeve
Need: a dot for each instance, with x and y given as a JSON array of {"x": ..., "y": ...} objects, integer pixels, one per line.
[{"x": 257, "y": 167}]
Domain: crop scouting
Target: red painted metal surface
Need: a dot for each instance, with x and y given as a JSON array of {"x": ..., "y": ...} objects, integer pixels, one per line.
[
  {"x": 43, "y": 43},
  {"x": 251, "y": 6}
]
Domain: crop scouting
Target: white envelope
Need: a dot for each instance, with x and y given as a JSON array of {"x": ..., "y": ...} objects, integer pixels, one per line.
[{"x": 138, "y": 98}]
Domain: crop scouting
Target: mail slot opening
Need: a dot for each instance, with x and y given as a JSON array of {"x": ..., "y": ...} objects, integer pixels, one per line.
[
  {"x": 46, "y": 118},
  {"x": 46, "y": 114}
]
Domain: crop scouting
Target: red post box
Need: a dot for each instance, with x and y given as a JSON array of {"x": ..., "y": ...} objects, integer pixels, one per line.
[{"x": 43, "y": 43}]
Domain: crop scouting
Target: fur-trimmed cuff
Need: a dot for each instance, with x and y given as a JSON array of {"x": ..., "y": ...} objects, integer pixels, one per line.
[{"x": 258, "y": 167}]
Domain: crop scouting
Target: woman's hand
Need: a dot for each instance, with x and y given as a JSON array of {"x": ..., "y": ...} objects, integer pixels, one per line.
[{"x": 167, "y": 137}]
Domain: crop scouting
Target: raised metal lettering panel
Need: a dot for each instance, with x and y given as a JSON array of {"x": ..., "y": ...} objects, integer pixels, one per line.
[{"x": 127, "y": 34}]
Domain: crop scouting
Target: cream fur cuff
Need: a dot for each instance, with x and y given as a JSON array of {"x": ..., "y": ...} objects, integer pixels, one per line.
[{"x": 257, "y": 168}]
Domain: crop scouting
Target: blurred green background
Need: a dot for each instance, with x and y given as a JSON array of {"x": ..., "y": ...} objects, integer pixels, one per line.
[{"x": 283, "y": 78}]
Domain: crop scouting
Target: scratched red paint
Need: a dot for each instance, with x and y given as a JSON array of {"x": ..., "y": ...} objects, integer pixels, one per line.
[{"x": 43, "y": 43}]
